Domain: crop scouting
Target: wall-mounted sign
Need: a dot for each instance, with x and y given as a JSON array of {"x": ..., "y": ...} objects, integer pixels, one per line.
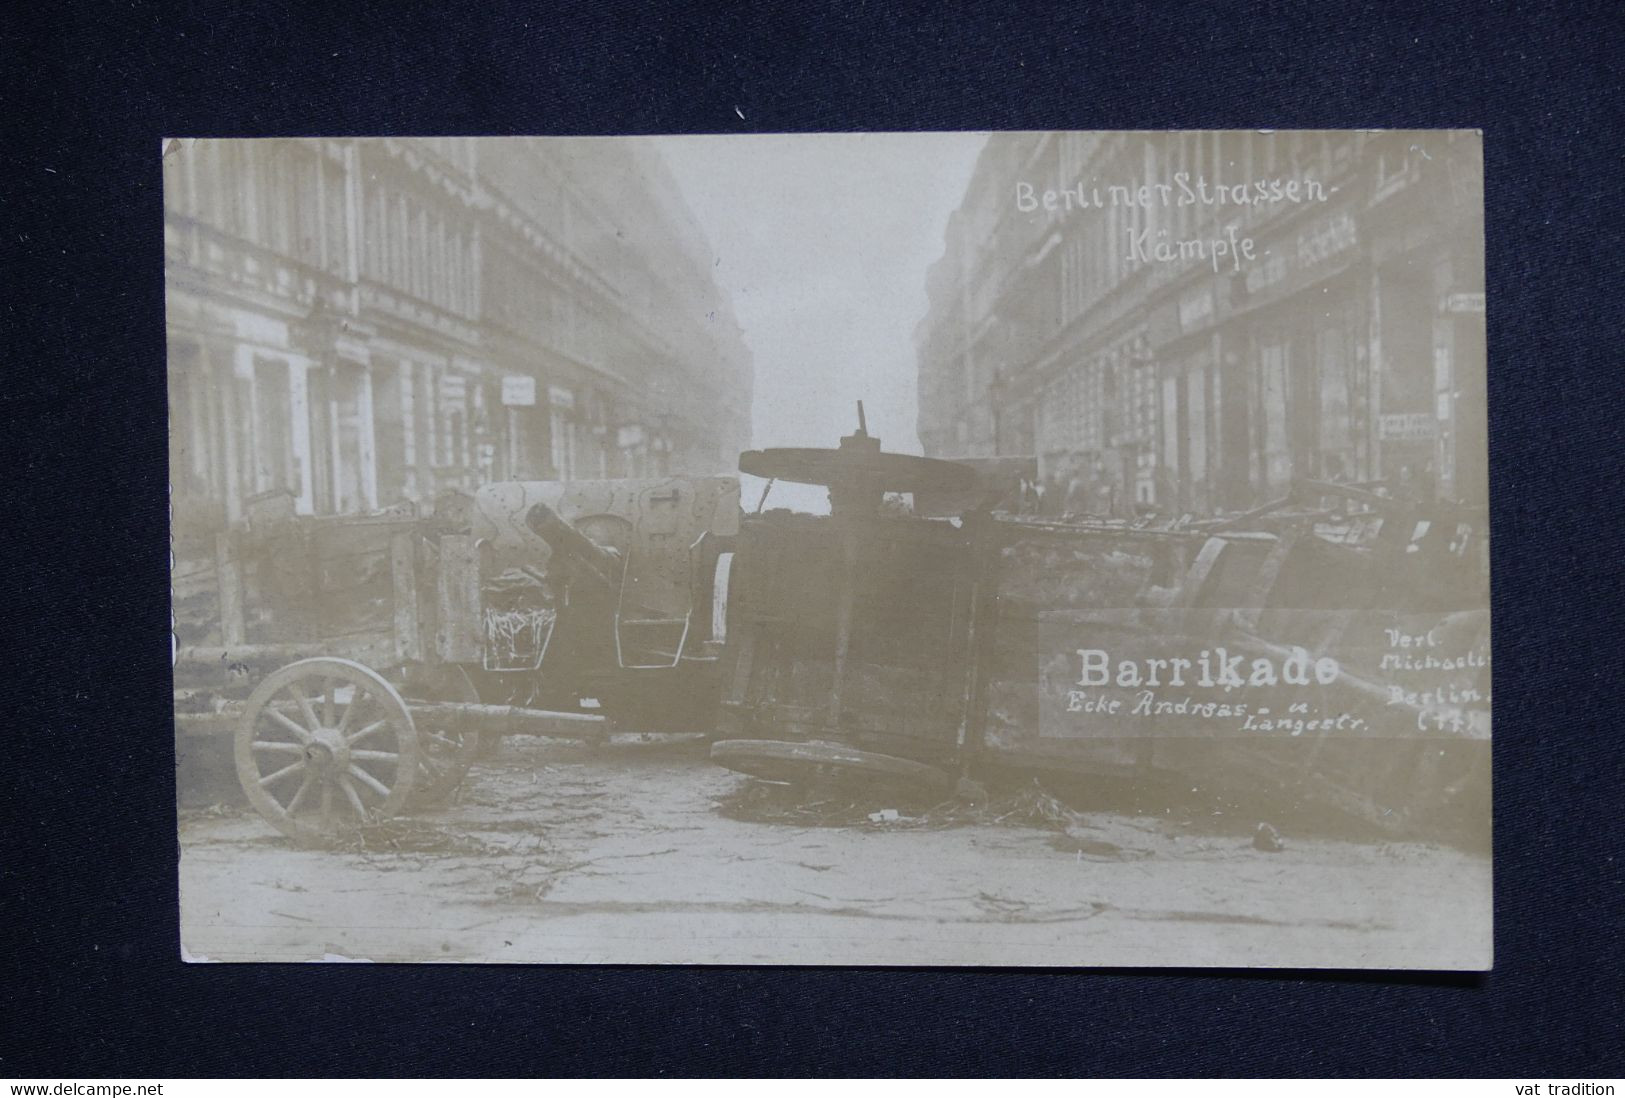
[
  {"x": 1270, "y": 270},
  {"x": 560, "y": 398},
  {"x": 1325, "y": 239},
  {"x": 1328, "y": 238},
  {"x": 1464, "y": 303},
  {"x": 1196, "y": 307},
  {"x": 1407, "y": 427},
  {"x": 627, "y": 438},
  {"x": 519, "y": 391}
]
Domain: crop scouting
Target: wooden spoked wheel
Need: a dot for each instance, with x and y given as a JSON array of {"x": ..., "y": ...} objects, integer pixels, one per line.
[
  {"x": 325, "y": 745},
  {"x": 446, "y": 751}
]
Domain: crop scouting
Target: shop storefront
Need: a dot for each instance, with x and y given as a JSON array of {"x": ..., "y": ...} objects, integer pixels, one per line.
[
  {"x": 1301, "y": 340},
  {"x": 1186, "y": 332}
]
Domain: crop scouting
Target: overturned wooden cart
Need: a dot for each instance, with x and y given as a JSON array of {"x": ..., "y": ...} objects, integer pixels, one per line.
[
  {"x": 359, "y": 663},
  {"x": 1328, "y": 652}
]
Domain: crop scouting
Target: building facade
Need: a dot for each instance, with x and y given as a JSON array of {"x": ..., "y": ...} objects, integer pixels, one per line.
[
  {"x": 1163, "y": 329},
  {"x": 360, "y": 323}
]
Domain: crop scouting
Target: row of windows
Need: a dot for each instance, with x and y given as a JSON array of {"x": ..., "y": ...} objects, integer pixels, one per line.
[
  {"x": 285, "y": 196},
  {"x": 413, "y": 246},
  {"x": 1072, "y": 411},
  {"x": 291, "y": 197},
  {"x": 297, "y": 199},
  {"x": 372, "y": 436},
  {"x": 653, "y": 271},
  {"x": 1300, "y": 407},
  {"x": 1108, "y": 401}
]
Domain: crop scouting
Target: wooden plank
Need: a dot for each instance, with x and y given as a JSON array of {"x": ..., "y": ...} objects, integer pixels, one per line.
[
  {"x": 229, "y": 578},
  {"x": 980, "y": 639},
  {"x": 402, "y": 553},
  {"x": 1257, "y": 596},
  {"x": 1201, "y": 571},
  {"x": 458, "y": 637},
  {"x": 254, "y": 656}
]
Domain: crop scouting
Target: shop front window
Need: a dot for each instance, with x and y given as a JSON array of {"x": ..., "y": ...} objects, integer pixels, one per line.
[
  {"x": 1170, "y": 433},
  {"x": 273, "y": 414},
  {"x": 389, "y": 399},
  {"x": 189, "y": 445},
  {"x": 1337, "y": 459},
  {"x": 456, "y": 439},
  {"x": 1276, "y": 446},
  {"x": 352, "y": 447},
  {"x": 1195, "y": 472},
  {"x": 562, "y": 430}
]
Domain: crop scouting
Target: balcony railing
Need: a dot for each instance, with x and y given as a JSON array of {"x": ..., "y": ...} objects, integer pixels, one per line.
[{"x": 235, "y": 261}]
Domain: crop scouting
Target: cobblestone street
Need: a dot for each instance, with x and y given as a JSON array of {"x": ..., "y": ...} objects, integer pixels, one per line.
[{"x": 559, "y": 852}]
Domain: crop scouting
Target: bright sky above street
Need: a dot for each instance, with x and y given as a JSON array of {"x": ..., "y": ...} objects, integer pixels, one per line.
[{"x": 823, "y": 243}]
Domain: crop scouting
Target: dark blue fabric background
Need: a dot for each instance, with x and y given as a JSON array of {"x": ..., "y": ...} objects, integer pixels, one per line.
[{"x": 89, "y": 871}]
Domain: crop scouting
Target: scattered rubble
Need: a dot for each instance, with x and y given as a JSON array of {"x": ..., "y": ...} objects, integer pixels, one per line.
[
  {"x": 1267, "y": 839},
  {"x": 405, "y": 835},
  {"x": 1028, "y": 805}
]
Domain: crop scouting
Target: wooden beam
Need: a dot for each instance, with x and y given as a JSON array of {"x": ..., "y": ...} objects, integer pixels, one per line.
[
  {"x": 403, "y": 574},
  {"x": 510, "y": 720},
  {"x": 459, "y": 633}
]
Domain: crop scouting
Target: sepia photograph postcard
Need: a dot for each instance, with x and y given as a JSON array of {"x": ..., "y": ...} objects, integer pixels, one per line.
[{"x": 957, "y": 549}]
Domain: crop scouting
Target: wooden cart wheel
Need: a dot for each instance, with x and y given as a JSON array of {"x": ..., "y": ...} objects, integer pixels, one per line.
[
  {"x": 324, "y": 745},
  {"x": 446, "y": 751},
  {"x": 798, "y": 763}
]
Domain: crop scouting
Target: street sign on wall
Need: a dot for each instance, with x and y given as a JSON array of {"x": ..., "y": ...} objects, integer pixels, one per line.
[
  {"x": 1407, "y": 427},
  {"x": 519, "y": 391}
]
